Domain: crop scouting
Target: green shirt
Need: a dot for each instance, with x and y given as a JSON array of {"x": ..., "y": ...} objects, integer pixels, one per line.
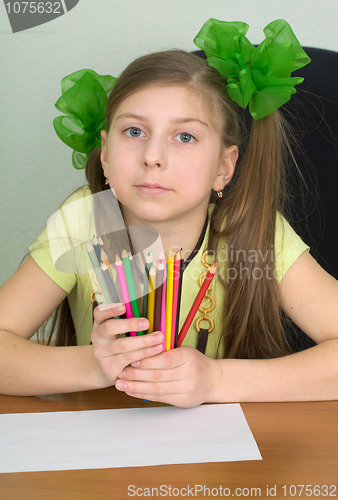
[{"x": 69, "y": 267}]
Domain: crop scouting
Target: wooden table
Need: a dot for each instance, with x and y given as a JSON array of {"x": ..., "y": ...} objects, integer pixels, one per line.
[{"x": 298, "y": 443}]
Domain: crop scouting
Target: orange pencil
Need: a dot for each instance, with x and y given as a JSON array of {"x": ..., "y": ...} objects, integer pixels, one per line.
[{"x": 196, "y": 304}]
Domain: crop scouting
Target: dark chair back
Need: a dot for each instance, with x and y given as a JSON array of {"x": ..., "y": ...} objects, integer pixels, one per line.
[{"x": 313, "y": 113}]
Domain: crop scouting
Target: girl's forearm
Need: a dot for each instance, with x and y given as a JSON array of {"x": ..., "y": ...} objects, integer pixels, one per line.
[
  {"x": 305, "y": 376},
  {"x": 31, "y": 369}
]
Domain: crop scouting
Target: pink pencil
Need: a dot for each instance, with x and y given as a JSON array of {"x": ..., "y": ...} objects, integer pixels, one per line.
[
  {"x": 163, "y": 302},
  {"x": 124, "y": 289},
  {"x": 177, "y": 264}
]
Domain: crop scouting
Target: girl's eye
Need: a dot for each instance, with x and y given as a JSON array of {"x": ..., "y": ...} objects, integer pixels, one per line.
[
  {"x": 184, "y": 137},
  {"x": 134, "y": 132}
]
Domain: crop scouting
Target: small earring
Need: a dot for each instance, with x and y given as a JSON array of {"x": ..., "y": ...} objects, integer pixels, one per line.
[
  {"x": 219, "y": 194},
  {"x": 107, "y": 181}
]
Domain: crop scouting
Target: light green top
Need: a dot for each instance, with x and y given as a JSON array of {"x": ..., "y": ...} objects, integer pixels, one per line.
[{"x": 50, "y": 248}]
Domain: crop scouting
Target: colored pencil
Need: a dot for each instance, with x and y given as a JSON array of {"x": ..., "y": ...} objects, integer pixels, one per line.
[
  {"x": 147, "y": 267},
  {"x": 113, "y": 286},
  {"x": 130, "y": 284},
  {"x": 100, "y": 278},
  {"x": 176, "y": 279},
  {"x": 124, "y": 289},
  {"x": 169, "y": 299},
  {"x": 196, "y": 304},
  {"x": 97, "y": 248},
  {"x": 104, "y": 258},
  {"x": 164, "y": 288},
  {"x": 180, "y": 283},
  {"x": 158, "y": 296},
  {"x": 130, "y": 259},
  {"x": 151, "y": 299},
  {"x": 109, "y": 281}
]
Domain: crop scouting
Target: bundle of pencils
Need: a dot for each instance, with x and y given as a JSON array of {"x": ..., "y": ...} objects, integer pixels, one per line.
[
  {"x": 163, "y": 299},
  {"x": 162, "y": 289}
]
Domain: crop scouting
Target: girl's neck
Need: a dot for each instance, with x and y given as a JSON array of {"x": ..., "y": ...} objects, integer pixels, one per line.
[{"x": 176, "y": 235}]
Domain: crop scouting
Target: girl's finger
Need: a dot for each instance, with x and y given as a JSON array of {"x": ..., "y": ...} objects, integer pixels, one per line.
[
  {"x": 106, "y": 311},
  {"x": 130, "y": 347},
  {"x": 112, "y": 327},
  {"x": 156, "y": 375},
  {"x": 129, "y": 357},
  {"x": 149, "y": 388},
  {"x": 169, "y": 360}
]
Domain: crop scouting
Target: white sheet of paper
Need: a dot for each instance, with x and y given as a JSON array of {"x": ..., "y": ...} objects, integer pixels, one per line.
[{"x": 124, "y": 438}]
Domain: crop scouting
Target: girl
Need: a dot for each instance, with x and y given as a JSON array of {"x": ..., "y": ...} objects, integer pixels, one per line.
[{"x": 174, "y": 139}]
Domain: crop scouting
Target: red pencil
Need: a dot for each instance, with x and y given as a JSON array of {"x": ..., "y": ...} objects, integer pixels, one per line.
[{"x": 196, "y": 304}]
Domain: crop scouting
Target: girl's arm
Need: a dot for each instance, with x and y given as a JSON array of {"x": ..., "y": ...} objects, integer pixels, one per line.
[
  {"x": 28, "y": 368},
  {"x": 184, "y": 377}
]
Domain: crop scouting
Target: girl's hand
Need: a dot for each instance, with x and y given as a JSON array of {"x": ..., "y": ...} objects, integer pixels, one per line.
[
  {"x": 181, "y": 377},
  {"x": 112, "y": 354}
]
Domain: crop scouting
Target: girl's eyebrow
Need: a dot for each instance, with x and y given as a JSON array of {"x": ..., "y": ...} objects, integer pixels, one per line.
[
  {"x": 188, "y": 119},
  {"x": 130, "y": 115},
  {"x": 175, "y": 120}
]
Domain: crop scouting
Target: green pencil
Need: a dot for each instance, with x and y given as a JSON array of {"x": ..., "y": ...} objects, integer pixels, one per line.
[{"x": 131, "y": 287}]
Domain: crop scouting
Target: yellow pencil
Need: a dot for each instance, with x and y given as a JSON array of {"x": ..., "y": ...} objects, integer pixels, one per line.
[
  {"x": 169, "y": 299},
  {"x": 151, "y": 298}
]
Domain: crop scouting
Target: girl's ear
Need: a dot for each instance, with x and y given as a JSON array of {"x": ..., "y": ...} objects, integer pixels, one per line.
[
  {"x": 227, "y": 167},
  {"x": 104, "y": 156}
]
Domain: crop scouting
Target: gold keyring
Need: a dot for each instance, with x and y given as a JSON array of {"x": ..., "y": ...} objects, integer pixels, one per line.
[
  {"x": 204, "y": 262},
  {"x": 212, "y": 324},
  {"x": 209, "y": 309},
  {"x": 200, "y": 280},
  {"x": 92, "y": 295}
]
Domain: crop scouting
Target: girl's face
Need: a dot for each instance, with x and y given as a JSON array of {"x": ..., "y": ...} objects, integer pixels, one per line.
[{"x": 163, "y": 156}]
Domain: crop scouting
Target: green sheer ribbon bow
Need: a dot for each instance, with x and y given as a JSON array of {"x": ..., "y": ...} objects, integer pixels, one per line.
[
  {"x": 256, "y": 76},
  {"x": 83, "y": 101}
]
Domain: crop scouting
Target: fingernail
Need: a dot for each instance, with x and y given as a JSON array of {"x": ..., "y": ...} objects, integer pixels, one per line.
[
  {"x": 158, "y": 336},
  {"x": 158, "y": 347},
  {"x": 122, "y": 375},
  {"x": 117, "y": 306},
  {"x": 120, "y": 385},
  {"x": 136, "y": 364},
  {"x": 143, "y": 323}
]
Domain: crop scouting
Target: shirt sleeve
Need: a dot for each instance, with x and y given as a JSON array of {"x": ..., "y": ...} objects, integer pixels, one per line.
[
  {"x": 40, "y": 251},
  {"x": 56, "y": 250},
  {"x": 288, "y": 247}
]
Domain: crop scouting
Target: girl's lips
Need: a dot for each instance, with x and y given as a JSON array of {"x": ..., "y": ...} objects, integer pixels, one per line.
[{"x": 151, "y": 189}]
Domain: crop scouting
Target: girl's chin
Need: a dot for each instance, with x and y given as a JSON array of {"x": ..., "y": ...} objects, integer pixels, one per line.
[{"x": 150, "y": 216}]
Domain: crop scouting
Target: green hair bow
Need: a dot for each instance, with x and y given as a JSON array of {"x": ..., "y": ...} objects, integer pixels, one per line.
[
  {"x": 83, "y": 101},
  {"x": 256, "y": 76}
]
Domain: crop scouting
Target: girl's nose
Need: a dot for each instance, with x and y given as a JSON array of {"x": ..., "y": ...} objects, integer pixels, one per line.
[{"x": 154, "y": 155}]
